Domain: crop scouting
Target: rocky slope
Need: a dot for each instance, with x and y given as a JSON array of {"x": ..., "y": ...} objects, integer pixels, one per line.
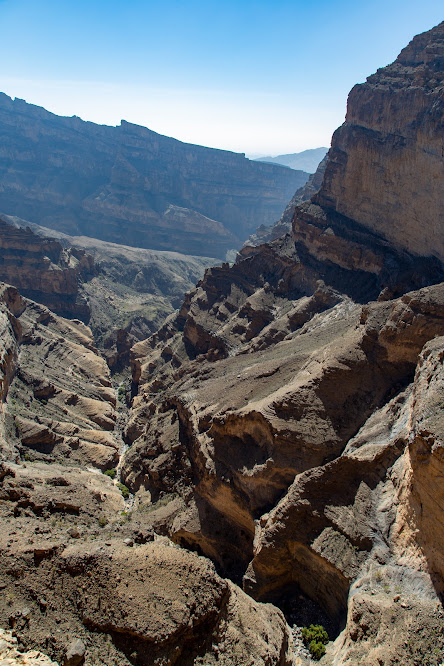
[
  {"x": 288, "y": 421},
  {"x": 130, "y": 185},
  {"x": 80, "y": 582},
  {"x": 287, "y": 424},
  {"x": 124, "y": 293}
]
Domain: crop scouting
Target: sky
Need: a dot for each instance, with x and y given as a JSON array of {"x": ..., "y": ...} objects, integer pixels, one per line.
[{"x": 263, "y": 77}]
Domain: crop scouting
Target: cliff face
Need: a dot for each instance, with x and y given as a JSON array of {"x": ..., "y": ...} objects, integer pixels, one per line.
[
  {"x": 287, "y": 421},
  {"x": 44, "y": 270},
  {"x": 265, "y": 234},
  {"x": 385, "y": 167},
  {"x": 130, "y": 185}
]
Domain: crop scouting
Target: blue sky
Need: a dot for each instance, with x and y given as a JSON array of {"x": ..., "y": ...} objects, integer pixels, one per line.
[{"x": 263, "y": 77}]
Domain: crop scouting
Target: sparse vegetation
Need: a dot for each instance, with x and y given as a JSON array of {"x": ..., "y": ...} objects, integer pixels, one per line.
[
  {"x": 315, "y": 638},
  {"x": 103, "y": 521},
  {"x": 124, "y": 490},
  {"x": 111, "y": 473}
]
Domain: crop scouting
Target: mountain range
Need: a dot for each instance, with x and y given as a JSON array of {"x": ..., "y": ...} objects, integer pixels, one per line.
[
  {"x": 307, "y": 160},
  {"x": 129, "y": 185}
]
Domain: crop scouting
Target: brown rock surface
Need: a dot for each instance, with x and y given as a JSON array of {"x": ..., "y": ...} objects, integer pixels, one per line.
[
  {"x": 58, "y": 401},
  {"x": 279, "y": 425},
  {"x": 385, "y": 168},
  {"x": 44, "y": 271}
]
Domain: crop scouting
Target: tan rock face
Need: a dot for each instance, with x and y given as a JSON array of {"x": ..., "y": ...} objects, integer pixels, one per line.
[
  {"x": 58, "y": 399},
  {"x": 11, "y": 656},
  {"x": 275, "y": 426},
  {"x": 385, "y": 168}
]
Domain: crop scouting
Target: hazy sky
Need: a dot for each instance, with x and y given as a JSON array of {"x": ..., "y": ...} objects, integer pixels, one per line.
[{"x": 264, "y": 77}]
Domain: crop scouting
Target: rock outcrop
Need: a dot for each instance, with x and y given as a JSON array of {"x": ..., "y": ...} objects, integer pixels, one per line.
[
  {"x": 70, "y": 578},
  {"x": 58, "y": 400},
  {"x": 130, "y": 185},
  {"x": 287, "y": 422},
  {"x": 385, "y": 166},
  {"x": 123, "y": 293},
  {"x": 43, "y": 270}
]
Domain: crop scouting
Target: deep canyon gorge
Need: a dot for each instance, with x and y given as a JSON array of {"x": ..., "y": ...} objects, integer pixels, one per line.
[{"x": 195, "y": 489}]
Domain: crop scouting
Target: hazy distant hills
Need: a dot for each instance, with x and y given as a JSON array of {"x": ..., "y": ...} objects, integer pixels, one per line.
[
  {"x": 129, "y": 185},
  {"x": 307, "y": 160}
]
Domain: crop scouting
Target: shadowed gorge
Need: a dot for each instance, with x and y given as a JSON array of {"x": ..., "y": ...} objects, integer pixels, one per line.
[{"x": 278, "y": 460}]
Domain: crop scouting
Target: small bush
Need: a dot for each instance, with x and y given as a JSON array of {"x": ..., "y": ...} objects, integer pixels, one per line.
[
  {"x": 111, "y": 473},
  {"x": 315, "y": 638},
  {"x": 103, "y": 520},
  {"x": 317, "y": 650},
  {"x": 124, "y": 490}
]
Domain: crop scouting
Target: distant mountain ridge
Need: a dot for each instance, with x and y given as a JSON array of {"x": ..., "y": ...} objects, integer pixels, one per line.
[
  {"x": 307, "y": 160},
  {"x": 130, "y": 185}
]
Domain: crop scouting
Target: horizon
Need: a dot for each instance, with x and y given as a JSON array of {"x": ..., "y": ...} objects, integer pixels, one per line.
[{"x": 239, "y": 77}]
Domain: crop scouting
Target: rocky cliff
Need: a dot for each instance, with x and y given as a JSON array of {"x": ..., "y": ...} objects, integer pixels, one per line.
[
  {"x": 287, "y": 422},
  {"x": 130, "y": 185},
  {"x": 79, "y": 580},
  {"x": 385, "y": 167},
  {"x": 44, "y": 270},
  {"x": 124, "y": 293}
]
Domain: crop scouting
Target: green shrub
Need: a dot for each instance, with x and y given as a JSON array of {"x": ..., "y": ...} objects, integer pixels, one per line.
[
  {"x": 315, "y": 638},
  {"x": 124, "y": 490},
  {"x": 103, "y": 520},
  {"x": 317, "y": 650},
  {"x": 111, "y": 473}
]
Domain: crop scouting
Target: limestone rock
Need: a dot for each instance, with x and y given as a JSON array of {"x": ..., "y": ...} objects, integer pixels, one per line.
[
  {"x": 44, "y": 271},
  {"x": 11, "y": 656},
  {"x": 385, "y": 167},
  {"x": 57, "y": 392},
  {"x": 75, "y": 653}
]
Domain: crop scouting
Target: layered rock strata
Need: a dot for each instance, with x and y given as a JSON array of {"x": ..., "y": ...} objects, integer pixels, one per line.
[
  {"x": 58, "y": 400},
  {"x": 130, "y": 185},
  {"x": 287, "y": 421},
  {"x": 385, "y": 167},
  {"x": 44, "y": 270}
]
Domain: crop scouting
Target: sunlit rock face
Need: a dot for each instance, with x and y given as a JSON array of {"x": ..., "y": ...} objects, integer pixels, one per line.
[
  {"x": 385, "y": 168},
  {"x": 287, "y": 420}
]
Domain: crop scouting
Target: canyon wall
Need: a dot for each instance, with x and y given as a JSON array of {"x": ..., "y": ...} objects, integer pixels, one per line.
[
  {"x": 385, "y": 167},
  {"x": 129, "y": 185},
  {"x": 44, "y": 270}
]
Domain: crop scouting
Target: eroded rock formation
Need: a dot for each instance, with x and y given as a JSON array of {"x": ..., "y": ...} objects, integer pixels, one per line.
[
  {"x": 288, "y": 420},
  {"x": 60, "y": 401},
  {"x": 385, "y": 167},
  {"x": 287, "y": 423},
  {"x": 44, "y": 270}
]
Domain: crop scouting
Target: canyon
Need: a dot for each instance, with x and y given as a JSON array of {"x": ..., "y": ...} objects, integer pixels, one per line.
[
  {"x": 132, "y": 186},
  {"x": 278, "y": 458}
]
